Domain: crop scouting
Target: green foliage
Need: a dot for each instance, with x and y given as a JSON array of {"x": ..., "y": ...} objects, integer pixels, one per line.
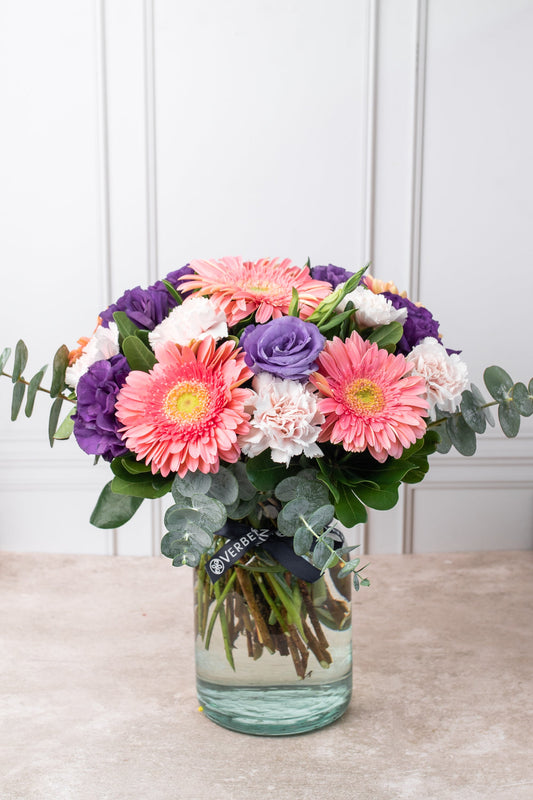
[
  {"x": 224, "y": 487},
  {"x": 137, "y": 484},
  {"x": 294, "y": 308},
  {"x": 264, "y": 473},
  {"x": 112, "y": 510},
  {"x": 172, "y": 291},
  {"x": 326, "y": 308},
  {"x": 66, "y": 427},
  {"x": 33, "y": 388},
  {"x": 16, "y": 400},
  {"x": 53, "y": 419},
  {"x": 138, "y": 355},
  {"x": 21, "y": 359},
  {"x": 388, "y": 336},
  {"x": 59, "y": 367},
  {"x": 4, "y": 357}
]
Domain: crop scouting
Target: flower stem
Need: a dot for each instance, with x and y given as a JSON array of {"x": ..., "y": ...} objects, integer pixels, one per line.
[
  {"x": 39, "y": 388},
  {"x": 221, "y": 596}
]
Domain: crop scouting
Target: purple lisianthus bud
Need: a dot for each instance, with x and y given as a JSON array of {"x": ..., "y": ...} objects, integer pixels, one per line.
[
  {"x": 331, "y": 274},
  {"x": 95, "y": 423},
  {"x": 418, "y": 325},
  {"x": 286, "y": 347}
]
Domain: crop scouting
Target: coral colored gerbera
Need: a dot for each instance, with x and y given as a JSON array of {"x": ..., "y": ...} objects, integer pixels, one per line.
[
  {"x": 186, "y": 413},
  {"x": 371, "y": 401},
  {"x": 241, "y": 287}
]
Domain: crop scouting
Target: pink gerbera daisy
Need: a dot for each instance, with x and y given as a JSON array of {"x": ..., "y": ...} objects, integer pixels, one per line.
[
  {"x": 186, "y": 413},
  {"x": 371, "y": 401},
  {"x": 241, "y": 287}
]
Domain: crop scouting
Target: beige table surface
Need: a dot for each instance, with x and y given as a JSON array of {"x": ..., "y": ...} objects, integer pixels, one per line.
[{"x": 98, "y": 698}]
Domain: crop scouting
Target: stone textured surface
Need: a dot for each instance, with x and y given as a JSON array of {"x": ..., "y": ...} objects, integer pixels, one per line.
[{"x": 98, "y": 699}]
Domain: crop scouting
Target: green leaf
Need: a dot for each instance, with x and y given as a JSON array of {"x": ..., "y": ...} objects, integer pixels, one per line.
[
  {"x": 302, "y": 486},
  {"x": 33, "y": 388},
  {"x": 191, "y": 536},
  {"x": 463, "y": 438},
  {"x": 139, "y": 488},
  {"x": 126, "y": 326},
  {"x": 138, "y": 355},
  {"x": 387, "y": 336},
  {"x": 349, "y": 510},
  {"x": 192, "y": 483},
  {"x": 264, "y": 473},
  {"x": 381, "y": 499},
  {"x": 302, "y": 541},
  {"x": 445, "y": 443},
  {"x": 509, "y": 418},
  {"x": 16, "y": 401},
  {"x": 59, "y": 367},
  {"x": 522, "y": 400},
  {"x": 224, "y": 487},
  {"x": 246, "y": 489},
  {"x": 113, "y": 510},
  {"x": 294, "y": 309},
  {"x": 322, "y": 553},
  {"x": 174, "y": 292},
  {"x": 243, "y": 508},
  {"x": 66, "y": 427},
  {"x": 135, "y": 467},
  {"x": 338, "y": 319},
  {"x": 21, "y": 359},
  {"x": 54, "y": 419},
  {"x": 480, "y": 401},
  {"x": 498, "y": 382},
  {"x": 472, "y": 414},
  {"x": 4, "y": 358},
  {"x": 206, "y": 512}
]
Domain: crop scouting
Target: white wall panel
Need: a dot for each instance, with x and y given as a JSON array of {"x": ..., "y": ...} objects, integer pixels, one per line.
[{"x": 138, "y": 134}]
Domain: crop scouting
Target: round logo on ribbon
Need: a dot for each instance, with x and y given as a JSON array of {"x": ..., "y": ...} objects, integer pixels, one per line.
[{"x": 216, "y": 566}]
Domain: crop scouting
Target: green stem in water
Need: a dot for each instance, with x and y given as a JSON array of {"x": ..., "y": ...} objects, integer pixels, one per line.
[
  {"x": 285, "y": 595},
  {"x": 221, "y": 596}
]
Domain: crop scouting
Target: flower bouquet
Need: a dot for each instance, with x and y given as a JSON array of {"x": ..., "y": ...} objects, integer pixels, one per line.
[{"x": 275, "y": 403}]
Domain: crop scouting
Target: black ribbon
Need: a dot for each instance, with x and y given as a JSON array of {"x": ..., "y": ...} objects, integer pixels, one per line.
[{"x": 242, "y": 538}]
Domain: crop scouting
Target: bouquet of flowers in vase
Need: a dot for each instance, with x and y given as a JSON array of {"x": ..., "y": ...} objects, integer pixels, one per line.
[{"x": 274, "y": 402}]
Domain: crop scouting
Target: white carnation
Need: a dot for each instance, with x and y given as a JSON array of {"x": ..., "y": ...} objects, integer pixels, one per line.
[
  {"x": 446, "y": 376},
  {"x": 285, "y": 418},
  {"x": 196, "y": 318},
  {"x": 372, "y": 310},
  {"x": 102, "y": 345}
]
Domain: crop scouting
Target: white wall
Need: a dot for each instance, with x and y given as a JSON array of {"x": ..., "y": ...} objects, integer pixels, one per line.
[{"x": 138, "y": 135}]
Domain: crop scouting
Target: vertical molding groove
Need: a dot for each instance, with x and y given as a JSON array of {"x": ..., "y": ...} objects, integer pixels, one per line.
[
  {"x": 418, "y": 148},
  {"x": 103, "y": 160},
  {"x": 419, "y": 93},
  {"x": 369, "y": 159},
  {"x": 152, "y": 255}
]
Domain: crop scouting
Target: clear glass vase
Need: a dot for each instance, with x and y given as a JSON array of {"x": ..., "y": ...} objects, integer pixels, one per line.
[{"x": 273, "y": 652}]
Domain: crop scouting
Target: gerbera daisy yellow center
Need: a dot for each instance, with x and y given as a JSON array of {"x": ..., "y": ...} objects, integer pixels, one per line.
[
  {"x": 364, "y": 396},
  {"x": 187, "y": 401}
]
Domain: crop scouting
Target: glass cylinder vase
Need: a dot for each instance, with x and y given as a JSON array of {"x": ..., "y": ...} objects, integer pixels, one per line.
[{"x": 273, "y": 652}]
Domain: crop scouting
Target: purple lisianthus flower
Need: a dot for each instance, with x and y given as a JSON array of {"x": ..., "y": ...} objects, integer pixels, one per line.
[
  {"x": 419, "y": 324},
  {"x": 331, "y": 274},
  {"x": 286, "y": 347},
  {"x": 175, "y": 277},
  {"x": 95, "y": 423},
  {"x": 147, "y": 307}
]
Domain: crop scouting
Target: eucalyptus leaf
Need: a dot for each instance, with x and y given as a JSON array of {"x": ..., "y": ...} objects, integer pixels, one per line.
[
  {"x": 59, "y": 367},
  {"x": 445, "y": 443},
  {"x": 321, "y": 518},
  {"x": 192, "y": 483},
  {"x": 206, "y": 512},
  {"x": 246, "y": 488},
  {"x": 480, "y": 401},
  {"x": 522, "y": 400},
  {"x": 21, "y": 359},
  {"x": 17, "y": 398},
  {"x": 301, "y": 486},
  {"x": 33, "y": 388},
  {"x": 4, "y": 357},
  {"x": 192, "y": 535},
  {"x": 322, "y": 552},
  {"x": 463, "y": 438},
  {"x": 509, "y": 419},
  {"x": 472, "y": 414},
  {"x": 302, "y": 541},
  {"x": 113, "y": 510},
  {"x": 498, "y": 382},
  {"x": 289, "y": 518},
  {"x": 53, "y": 419},
  {"x": 242, "y": 508},
  {"x": 224, "y": 487}
]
